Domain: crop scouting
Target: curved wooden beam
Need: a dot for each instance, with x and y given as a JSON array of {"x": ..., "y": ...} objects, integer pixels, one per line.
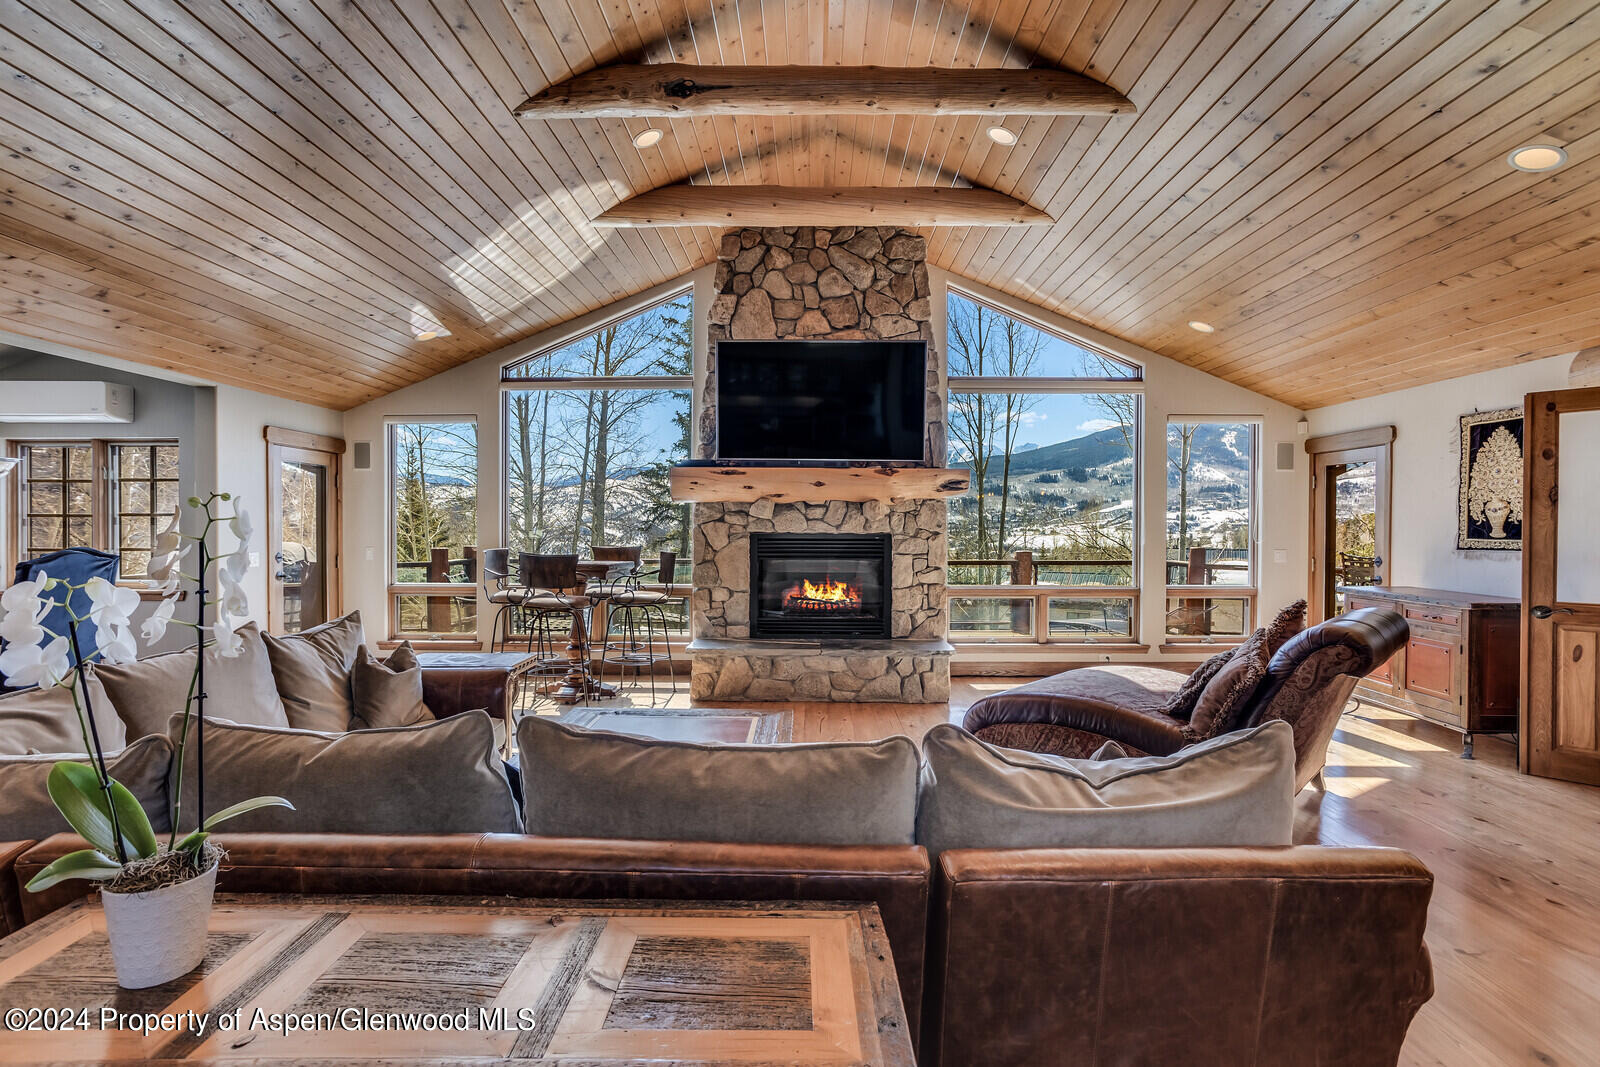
[
  {"x": 667, "y": 90},
  {"x": 784, "y": 205}
]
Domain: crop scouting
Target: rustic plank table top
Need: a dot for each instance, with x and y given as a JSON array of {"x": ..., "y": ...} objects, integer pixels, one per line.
[{"x": 448, "y": 980}]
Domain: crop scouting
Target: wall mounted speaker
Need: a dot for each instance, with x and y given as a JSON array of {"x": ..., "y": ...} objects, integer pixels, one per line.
[
  {"x": 1285, "y": 455},
  {"x": 361, "y": 455}
]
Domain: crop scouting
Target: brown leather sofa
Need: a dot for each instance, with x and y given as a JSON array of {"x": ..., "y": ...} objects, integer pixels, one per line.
[
  {"x": 11, "y": 918},
  {"x": 1268, "y": 957},
  {"x": 1038, "y": 956},
  {"x": 1307, "y": 684}
]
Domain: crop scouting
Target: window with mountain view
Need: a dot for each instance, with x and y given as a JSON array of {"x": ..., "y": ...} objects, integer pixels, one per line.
[
  {"x": 433, "y": 486},
  {"x": 1044, "y": 539},
  {"x": 1211, "y": 469},
  {"x": 592, "y": 429}
]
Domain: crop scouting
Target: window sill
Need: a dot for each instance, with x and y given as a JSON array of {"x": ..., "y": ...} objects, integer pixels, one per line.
[
  {"x": 147, "y": 595},
  {"x": 1208, "y": 647},
  {"x": 428, "y": 644},
  {"x": 1011, "y": 649}
]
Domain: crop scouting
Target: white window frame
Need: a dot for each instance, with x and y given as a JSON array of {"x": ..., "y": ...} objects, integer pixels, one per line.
[
  {"x": 1042, "y": 594},
  {"x": 1250, "y": 592}
]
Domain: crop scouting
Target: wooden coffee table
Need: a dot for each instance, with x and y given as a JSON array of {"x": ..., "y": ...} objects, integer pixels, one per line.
[{"x": 515, "y": 981}]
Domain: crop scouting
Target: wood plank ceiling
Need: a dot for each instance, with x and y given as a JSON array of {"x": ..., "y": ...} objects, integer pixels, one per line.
[{"x": 261, "y": 191}]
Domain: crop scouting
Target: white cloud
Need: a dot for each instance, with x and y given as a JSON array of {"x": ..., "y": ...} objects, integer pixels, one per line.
[{"x": 1096, "y": 425}]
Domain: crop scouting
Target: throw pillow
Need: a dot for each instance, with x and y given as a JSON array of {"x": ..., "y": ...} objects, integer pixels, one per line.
[
  {"x": 387, "y": 692},
  {"x": 590, "y": 783},
  {"x": 46, "y": 720},
  {"x": 1225, "y": 701},
  {"x": 240, "y": 689},
  {"x": 1234, "y": 790},
  {"x": 312, "y": 669},
  {"x": 27, "y": 812},
  {"x": 441, "y": 777},
  {"x": 1290, "y": 621},
  {"x": 1181, "y": 704}
]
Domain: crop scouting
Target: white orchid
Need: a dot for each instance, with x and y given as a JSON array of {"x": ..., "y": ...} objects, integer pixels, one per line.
[
  {"x": 41, "y": 665},
  {"x": 154, "y": 627},
  {"x": 232, "y": 603},
  {"x": 119, "y": 646},
  {"x": 25, "y": 595},
  {"x": 227, "y": 643},
  {"x": 233, "y": 567},
  {"x": 110, "y": 605},
  {"x": 240, "y": 524},
  {"x": 166, "y": 558},
  {"x": 20, "y": 622}
]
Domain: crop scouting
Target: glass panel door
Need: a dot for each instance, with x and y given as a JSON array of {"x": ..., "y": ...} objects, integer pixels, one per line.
[{"x": 302, "y": 538}]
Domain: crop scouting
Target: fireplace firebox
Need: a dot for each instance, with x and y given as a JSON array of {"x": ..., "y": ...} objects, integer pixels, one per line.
[{"x": 819, "y": 585}]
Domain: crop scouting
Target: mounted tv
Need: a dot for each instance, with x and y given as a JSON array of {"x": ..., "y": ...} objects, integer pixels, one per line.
[{"x": 859, "y": 401}]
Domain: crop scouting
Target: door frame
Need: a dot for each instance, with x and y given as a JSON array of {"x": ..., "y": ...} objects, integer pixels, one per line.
[
  {"x": 1375, "y": 444},
  {"x": 1541, "y": 442},
  {"x": 297, "y": 445}
]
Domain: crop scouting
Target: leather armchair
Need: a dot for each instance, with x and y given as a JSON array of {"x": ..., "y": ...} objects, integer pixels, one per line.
[
  {"x": 1307, "y": 684},
  {"x": 11, "y": 918},
  {"x": 1222, "y": 957}
]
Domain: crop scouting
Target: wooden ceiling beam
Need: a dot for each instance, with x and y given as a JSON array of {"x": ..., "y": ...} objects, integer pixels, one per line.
[
  {"x": 783, "y": 205},
  {"x": 675, "y": 90}
]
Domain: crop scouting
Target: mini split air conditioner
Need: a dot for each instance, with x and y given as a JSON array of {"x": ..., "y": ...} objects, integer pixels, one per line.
[{"x": 65, "y": 402}]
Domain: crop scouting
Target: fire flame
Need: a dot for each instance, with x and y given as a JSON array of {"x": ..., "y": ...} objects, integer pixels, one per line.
[{"x": 822, "y": 595}]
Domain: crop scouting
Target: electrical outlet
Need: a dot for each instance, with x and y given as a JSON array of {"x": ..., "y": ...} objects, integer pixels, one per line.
[
  {"x": 1280, "y": 555},
  {"x": 255, "y": 559},
  {"x": 372, "y": 554}
]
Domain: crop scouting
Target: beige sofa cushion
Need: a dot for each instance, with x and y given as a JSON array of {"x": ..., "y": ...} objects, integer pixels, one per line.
[
  {"x": 241, "y": 689},
  {"x": 27, "y": 812},
  {"x": 442, "y": 777},
  {"x": 312, "y": 669},
  {"x": 387, "y": 692},
  {"x": 583, "y": 783},
  {"x": 46, "y": 720},
  {"x": 1237, "y": 789}
]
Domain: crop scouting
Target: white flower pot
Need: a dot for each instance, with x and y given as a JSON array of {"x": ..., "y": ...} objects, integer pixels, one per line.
[{"x": 159, "y": 935}]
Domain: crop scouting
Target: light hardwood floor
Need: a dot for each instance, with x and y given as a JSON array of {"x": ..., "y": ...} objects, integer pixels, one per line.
[{"x": 1514, "y": 927}]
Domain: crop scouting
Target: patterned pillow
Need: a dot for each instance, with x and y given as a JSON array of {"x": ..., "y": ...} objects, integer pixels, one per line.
[
  {"x": 1180, "y": 705},
  {"x": 1290, "y": 621},
  {"x": 1225, "y": 701}
]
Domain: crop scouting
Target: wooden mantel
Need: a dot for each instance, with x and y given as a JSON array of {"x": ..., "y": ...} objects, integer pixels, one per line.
[{"x": 731, "y": 483}]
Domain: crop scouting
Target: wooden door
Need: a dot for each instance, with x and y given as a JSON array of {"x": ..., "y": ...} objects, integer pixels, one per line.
[
  {"x": 1561, "y": 585},
  {"x": 1349, "y": 515},
  {"x": 303, "y": 529}
]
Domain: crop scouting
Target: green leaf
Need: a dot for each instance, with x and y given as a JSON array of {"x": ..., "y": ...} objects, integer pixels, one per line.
[
  {"x": 85, "y": 863},
  {"x": 247, "y": 805},
  {"x": 133, "y": 822},
  {"x": 75, "y": 788},
  {"x": 193, "y": 842}
]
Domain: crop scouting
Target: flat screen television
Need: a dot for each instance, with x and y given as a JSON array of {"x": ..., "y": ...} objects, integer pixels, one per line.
[{"x": 821, "y": 400}]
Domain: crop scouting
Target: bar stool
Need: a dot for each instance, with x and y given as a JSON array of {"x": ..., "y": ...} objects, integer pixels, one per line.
[
  {"x": 637, "y": 619},
  {"x": 507, "y": 595},
  {"x": 551, "y": 607}
]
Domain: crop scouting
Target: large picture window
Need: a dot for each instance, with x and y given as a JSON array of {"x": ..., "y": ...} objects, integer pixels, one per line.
[
  {"x": 1211, "y": 530},
  {"x": 433, "y": 549},
  {"x": 1042, "y": 545},
  {"x": 592, "y": 429},
  {"x": 110, "y": 495}
]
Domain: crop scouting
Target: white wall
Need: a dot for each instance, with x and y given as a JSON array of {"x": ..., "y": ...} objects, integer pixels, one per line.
[
  {"x": 1427, "y": 458},
  {"x": 1171, "y": 389}
]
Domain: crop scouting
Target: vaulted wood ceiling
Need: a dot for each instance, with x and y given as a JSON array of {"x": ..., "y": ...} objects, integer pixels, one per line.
[{"x": 260, "y": 191}]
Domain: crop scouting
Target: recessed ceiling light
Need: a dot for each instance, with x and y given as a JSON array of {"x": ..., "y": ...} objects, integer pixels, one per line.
[
  {"x": 1203, "y": 327},
  {"x": 647, "y": 138},
  {"x": 1001, "y": 135},
  {"x": 1537, "y": 157},
  {"x": 425, "y": 325}
]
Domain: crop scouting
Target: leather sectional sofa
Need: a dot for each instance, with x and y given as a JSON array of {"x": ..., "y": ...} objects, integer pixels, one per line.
[{"x": 1219, "y": 956}]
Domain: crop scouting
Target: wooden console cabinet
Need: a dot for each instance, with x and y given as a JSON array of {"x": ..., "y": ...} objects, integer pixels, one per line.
[{"x": 1459, "y": 669}]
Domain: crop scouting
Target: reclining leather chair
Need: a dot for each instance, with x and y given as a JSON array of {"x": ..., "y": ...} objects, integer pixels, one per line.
[{"x": 1307, "y": 684}]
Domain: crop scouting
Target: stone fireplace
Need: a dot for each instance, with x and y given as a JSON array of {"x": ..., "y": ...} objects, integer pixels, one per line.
[{"x": 841, "y": 283}]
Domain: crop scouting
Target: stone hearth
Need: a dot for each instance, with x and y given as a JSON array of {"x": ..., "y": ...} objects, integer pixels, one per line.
[{"x": 846, "y": 283}]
